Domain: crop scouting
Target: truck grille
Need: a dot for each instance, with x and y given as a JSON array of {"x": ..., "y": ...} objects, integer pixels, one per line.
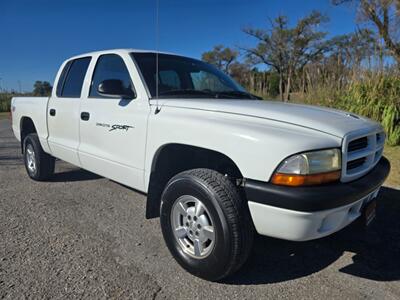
[
  {"x": 360, "y": 153},
  {"x": 358, "y": 144},
  {"x": 355, "y": 163}
]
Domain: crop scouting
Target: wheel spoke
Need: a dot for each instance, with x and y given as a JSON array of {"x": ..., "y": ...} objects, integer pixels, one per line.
[
  {"x": 208, "y": 232},
  {"x": 192, "y": 226},
  {"x": 182, "y": 209},
  {"x": 199, "y": 209},
  {"x": 30, "y": 158},
  {"x": 180, "y": 232},
  {"x": 198, "y": 247}
]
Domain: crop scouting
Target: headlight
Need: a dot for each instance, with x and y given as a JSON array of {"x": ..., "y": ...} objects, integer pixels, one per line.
[{"x": 309, "y": 168}]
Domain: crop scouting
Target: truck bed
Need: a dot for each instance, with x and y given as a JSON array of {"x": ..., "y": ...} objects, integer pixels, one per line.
[{"x": 34, "y": 108}]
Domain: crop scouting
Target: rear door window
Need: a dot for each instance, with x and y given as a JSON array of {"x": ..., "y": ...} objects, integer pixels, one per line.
[
  {"x": 73, "y": 82},
  {"x": 61, "y": 80}
]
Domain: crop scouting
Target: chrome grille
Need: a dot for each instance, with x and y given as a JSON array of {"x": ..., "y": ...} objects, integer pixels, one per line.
[{"x": 360, "y": 152}]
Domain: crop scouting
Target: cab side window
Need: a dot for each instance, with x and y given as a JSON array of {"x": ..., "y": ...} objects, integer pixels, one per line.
[
  {"x": 169, "y": 79},
  {"x": 109, "y": 66},
  {"x": 71, "y": 79}
]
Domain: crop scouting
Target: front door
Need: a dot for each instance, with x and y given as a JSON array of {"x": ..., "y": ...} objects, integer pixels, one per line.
[{"x": 113, "y": 130}]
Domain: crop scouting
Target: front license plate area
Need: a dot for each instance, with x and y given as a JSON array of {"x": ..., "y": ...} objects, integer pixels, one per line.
[{"x": 369, "y": 212}]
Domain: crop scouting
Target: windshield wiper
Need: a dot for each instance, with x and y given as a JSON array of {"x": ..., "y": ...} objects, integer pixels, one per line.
[
  {"x": 187, "y": 92},
  {"x": 240, "y": 94}
]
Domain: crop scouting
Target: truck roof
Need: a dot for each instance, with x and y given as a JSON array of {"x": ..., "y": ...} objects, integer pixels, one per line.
[{"x": 118, "y": 51}]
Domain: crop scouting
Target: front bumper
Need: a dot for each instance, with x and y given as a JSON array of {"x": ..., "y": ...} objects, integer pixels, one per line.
[{"x": 306, "y": 213}]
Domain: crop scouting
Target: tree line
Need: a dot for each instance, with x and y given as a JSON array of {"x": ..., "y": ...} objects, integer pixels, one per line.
[
  {"x": 298, "y": 57},
  {"x": 40, "y": 88}
]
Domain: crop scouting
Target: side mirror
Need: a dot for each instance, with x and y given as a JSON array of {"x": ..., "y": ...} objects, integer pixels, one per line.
[{"x": 115, "y": 88}]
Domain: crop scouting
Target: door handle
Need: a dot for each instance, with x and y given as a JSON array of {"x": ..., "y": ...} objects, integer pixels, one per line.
[
  {"x": 85, "y": 116},
  {"x": 52, "y": 112}
]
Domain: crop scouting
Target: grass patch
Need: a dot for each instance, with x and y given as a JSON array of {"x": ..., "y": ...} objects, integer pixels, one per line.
[
  {"x": 5, "y": 102},
  {"x": 375, "y": 96},
  {"x": 393, "y": 154}
]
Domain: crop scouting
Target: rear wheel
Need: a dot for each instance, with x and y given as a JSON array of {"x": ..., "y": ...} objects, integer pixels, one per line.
[
  {"x": 39, "y": 165},
  {"x": 206, "y": 223}
]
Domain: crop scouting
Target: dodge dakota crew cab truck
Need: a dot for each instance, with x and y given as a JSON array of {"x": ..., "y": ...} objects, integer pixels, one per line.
[{"x": 217, "y": 164}]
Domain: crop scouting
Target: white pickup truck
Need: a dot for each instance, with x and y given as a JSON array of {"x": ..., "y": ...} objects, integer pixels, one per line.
[{"x": 215, "y": 162}]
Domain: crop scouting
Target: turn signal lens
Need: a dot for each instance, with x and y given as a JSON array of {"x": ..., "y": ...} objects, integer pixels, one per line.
[{"x": 301, "y": 180}]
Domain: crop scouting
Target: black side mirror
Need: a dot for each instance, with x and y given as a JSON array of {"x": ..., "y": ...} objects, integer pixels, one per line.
[{"x": 115, "y": 88}]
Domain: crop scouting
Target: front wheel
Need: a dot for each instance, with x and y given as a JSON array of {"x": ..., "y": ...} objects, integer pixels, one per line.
[{"x": 206, "y": 223}]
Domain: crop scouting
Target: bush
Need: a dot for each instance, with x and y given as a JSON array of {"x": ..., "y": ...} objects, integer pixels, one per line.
[
  {"x": 379, "y": 99},
  {"x": 375, "y": 96},
  {"x": 5, "y": 102}
]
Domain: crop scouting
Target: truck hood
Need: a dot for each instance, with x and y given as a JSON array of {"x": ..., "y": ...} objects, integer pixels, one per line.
[{"x": 331, "y": 121}]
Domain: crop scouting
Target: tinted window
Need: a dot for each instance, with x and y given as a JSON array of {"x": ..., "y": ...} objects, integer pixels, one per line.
[
  {"x": 61, "y": 80},
  {"x": 169, "y": 78},
  {"x": 74, "y": 80},
  {"x": 109, "y": 66}
]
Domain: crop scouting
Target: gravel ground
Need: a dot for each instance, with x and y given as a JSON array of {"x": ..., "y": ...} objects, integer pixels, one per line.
[{"x": 83, "y": 236}]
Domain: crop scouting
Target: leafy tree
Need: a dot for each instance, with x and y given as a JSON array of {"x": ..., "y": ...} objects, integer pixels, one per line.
[
  {"x": 221, "y": 56},
  {"x": 385, "y": 16},
  {"x": 287, "y": 49},
  {"x": 42, "y": 88}
]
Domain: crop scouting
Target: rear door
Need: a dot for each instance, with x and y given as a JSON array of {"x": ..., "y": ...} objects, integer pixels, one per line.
[
  {"x": 113, "y": 130},
  {"x": 63, "y": 110}
]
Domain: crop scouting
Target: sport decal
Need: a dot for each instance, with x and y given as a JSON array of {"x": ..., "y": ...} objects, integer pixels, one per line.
[
  {"x": 115, "y": 126},
  {"x": 122, "y": 127}
]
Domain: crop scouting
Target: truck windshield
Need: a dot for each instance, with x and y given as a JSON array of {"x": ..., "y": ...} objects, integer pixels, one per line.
[{"x": 182, "y": 77}]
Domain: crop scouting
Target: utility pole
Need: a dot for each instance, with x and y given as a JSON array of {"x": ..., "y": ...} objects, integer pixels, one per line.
[
  {"x": 0, "y": 84},
  {"x": 19, "y": 85}
]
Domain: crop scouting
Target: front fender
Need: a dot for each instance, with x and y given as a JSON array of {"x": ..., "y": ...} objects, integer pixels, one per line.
[{"x": 255, "y": 145}]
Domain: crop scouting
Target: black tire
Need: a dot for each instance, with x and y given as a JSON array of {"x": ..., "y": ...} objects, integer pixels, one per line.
[
  {"x": 44, "y": 163},
  {"x": 229, "y": 211}
]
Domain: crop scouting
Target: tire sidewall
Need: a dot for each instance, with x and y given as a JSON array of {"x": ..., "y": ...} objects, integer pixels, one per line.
[
  {"x": 29, "y": 140},
  {"x": 214, "y": 265}
]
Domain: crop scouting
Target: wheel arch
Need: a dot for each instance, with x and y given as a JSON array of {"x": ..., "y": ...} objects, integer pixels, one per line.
[
  {"x": 27, "y": 126},
  {"x": 173, "y": 158}
]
